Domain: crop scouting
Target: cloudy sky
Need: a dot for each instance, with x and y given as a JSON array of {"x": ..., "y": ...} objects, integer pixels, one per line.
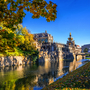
[{"x": 72, "y": 16}]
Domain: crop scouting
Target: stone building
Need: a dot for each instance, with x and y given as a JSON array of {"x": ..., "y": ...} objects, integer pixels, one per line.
[
  {"x": 43, "y": 37},
  {"x": 49, "y": 49},
  {"x": 73, "y": 48}
]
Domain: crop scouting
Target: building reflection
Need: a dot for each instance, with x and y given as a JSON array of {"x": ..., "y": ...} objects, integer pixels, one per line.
[
  {"x": 37, "y": 76},
  {"x": 60, "y": 68},
  {"x": 73, "y": 65}
]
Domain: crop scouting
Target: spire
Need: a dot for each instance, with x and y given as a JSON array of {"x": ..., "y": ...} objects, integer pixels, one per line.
[
  {"x": 70, "y": 34},
  {"x": 70, "y": 38},
  {"x": 45, "y": 31}
]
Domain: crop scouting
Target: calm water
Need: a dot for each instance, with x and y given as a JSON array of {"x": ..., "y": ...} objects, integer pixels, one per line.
[{"x": 34, "y": 77}]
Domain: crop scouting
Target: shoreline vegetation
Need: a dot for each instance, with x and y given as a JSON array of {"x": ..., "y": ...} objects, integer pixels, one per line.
[
  {"x": 17, "y": 43},
  {"x": 78, "y": 79},
  {"x": 18, "y": 52}
]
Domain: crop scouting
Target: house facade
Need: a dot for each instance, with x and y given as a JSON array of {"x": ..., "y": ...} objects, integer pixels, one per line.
[{"x": 43, "y": 37}]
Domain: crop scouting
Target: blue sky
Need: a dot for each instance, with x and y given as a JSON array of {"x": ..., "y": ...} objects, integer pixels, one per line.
[{"x": 72, "y": 16}]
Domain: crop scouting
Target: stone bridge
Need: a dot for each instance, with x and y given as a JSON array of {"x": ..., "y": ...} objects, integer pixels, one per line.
[{"x": 79, "y": 56}]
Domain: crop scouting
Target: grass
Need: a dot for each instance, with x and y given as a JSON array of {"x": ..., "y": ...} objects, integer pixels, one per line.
[
  {"x": 76, "y": 80},
  {"x": 87, "y": 57}
]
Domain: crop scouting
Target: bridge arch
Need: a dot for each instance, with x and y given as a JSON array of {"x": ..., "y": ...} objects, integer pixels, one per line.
[{"x": 80, "y": 56}]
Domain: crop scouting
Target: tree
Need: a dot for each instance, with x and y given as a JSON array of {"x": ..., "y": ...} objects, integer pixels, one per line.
[
  {"x": 86, "y": 50},
  {"x": 12, "y": 11},
  {"x": 7, "y": 40},
  {"x": 24, "y": 38},
  {"x": 20, "y": 41}
]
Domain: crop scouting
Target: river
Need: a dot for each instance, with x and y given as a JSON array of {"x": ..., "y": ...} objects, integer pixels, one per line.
[{"x": 37, "y": 76}]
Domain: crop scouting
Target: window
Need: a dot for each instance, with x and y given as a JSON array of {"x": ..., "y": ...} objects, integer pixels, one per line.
[
  {"x": 39, "y": 40},
  {"x": 46, "y": 40},
  {"x": 42, "y": 39}
]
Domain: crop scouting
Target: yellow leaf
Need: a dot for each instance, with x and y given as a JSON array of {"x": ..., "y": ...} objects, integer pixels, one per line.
[{"x": 5, "y": 0}]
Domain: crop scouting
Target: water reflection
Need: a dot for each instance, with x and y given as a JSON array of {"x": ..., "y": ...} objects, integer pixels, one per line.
[
  {"x": 73, "y": 65},
  {"x": 35, "y": 77}
]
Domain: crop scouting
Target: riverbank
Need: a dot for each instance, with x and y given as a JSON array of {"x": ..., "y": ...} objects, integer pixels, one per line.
[
  {"x": 17, "y": 57},
  {"x": 78, "y": 79},
  {"x": 14, "y": 60}
]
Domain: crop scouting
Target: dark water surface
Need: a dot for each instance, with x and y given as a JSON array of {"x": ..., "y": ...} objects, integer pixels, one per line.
[{"x": 35, "y": 77}]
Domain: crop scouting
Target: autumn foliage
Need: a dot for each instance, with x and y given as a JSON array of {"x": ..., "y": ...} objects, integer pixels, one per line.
[
  {"x": 21, "y": 38},
  {"x": 24, "y": 39},
  {"x": 12, "y": 11},
  {"x": 7, "y": 39}
]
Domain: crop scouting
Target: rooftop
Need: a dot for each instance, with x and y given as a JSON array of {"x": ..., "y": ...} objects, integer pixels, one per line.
[{"x": 45, "y": 34}]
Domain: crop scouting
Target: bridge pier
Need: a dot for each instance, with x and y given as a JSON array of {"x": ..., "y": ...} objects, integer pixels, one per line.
[
  {"x": 83, "y": 57},
  {"x": 80, "y": 56},
  {"x": 76, "y": 58}
]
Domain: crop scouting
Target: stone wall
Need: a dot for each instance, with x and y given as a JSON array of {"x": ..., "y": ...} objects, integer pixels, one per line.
[{"x": 14, "y": 60}]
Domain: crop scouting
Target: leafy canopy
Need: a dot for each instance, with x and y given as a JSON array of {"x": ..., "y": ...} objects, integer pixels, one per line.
[
  {"x": 86, "y": 50},
  {"x": 24, "y": 39},
  {"x": 7, "y": 38},
  {"x": 19, "y": 41},
  {"x": 12, "y": 11}
]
